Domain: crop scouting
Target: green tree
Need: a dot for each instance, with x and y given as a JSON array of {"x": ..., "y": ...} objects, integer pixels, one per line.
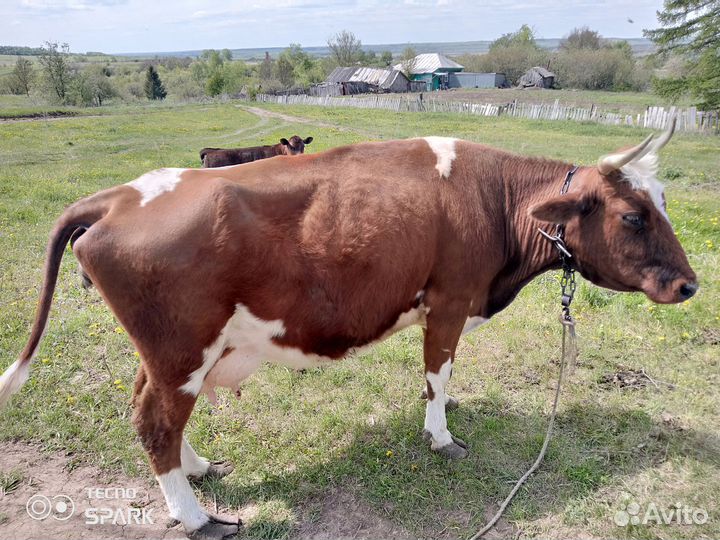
[
  {"x": 56, "y": 68},
  {"x": 215, "y": 84},
  {"x": 345, "y": 48},
  {"x": 523, "y": 37},
  {"x": 582, "y": 38},
  {"x": 386, "y": 58},
  {"x": 22, "y": 76},
  {"x": 154, "y": 88},
  {"x": 265, "y": 70},
  {"x": 305, "y": 70},
  {"x": 284, "y": 71},
  {"x": 513, "y": 54},
  {"x": 408, "y": 60},
  {"x": 691, "y": 28},
  {"x": 92, "y": 86}
]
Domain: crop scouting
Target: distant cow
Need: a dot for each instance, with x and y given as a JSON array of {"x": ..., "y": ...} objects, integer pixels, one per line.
[{"x": 220, "y": 157}]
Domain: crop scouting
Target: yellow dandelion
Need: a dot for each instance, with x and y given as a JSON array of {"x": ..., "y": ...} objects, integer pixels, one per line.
[
  {"x": 661, "y": 338},
  {"x": 685, "y": 335},
  {"x": 119, "y": 330},
  {"x": 71, "y": 400},
  {"x": 136, "y": 354},
  {"x": 389, "y": 453},
  {"x": 117, "y": 381},
  {"x": 45, "y": 360},
  {"x": 413, "y": 467}
]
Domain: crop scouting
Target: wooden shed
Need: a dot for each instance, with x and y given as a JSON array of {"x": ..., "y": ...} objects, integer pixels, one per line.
[
  {"x": 537, "y": 77},
  {"x": 345, "y": 81}
]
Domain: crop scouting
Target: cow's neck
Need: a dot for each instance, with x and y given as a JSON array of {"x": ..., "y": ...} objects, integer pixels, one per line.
[{"x": 528, "y": 254}]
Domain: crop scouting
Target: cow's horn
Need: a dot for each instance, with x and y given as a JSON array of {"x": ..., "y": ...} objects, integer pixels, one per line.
[
  {"x": 614, "y": 162},
  {"x": 665, "y": 137}
]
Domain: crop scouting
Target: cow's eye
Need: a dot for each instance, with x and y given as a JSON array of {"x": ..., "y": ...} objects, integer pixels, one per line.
[{"x": 634, "y": 220}]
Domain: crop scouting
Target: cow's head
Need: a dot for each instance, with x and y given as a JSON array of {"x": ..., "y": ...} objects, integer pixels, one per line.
[
  {"x": 295, "y": 145},
  {"x": 617, "y": 226}
]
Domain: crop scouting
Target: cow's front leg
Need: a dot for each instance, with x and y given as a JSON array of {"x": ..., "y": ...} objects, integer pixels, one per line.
[{"x": 441, "y": 338}]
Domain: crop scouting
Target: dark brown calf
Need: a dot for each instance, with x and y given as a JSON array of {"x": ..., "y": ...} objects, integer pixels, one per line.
[
  {"x": 222, "y": 157},
  {"x": 305, "y": 260}
]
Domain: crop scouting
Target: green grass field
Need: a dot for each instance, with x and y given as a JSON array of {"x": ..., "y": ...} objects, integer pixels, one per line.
[{"x": 357, "y": 426}]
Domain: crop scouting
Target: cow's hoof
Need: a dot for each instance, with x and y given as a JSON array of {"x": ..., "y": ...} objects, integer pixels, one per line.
[
  {"x": 215, "y": 529},
  {"x": 454, "y": 450},
  {"x": 216, "y": 470},
  {"x": 219, "y": 469},
  {"x": 451, "y": 404},
  {"x": 458, "y": 449}
]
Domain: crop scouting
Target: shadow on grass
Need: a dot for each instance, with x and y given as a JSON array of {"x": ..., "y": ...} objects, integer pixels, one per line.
[{"x": 391, "y": 467}]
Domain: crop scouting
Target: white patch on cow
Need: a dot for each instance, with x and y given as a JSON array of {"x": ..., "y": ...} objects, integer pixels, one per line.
[
  {"x": 12, "y": 380},
  {"x": 472, "y": 323},
  {"x": 181, "y": 500},
  {"x": 252, "y": 342},
  {"x": 435, "y": 420},
  {"x": 192, "y": 464},
  {"x": 444, "y": 148},
  {"x": 642, "y": 175},
  {"x": 413, "y": 316},
  {"x": 155, "y": 183}
]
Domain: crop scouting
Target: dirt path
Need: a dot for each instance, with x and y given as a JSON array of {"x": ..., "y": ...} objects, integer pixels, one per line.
[
  {"x": 263, "y": 113},
  {"x": 68, "y": 503},
  {"x": 49, "y": 118}
]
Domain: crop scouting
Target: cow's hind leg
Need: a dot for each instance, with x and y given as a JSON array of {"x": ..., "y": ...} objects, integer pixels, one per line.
[
  {"x": 441, "y": 338},
  {"x": 161, "y": 413}
]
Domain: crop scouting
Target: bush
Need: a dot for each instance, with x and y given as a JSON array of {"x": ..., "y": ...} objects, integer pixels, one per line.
[
  {"x": 607, "y": 68},
  {"x": 181, "y": 84}
]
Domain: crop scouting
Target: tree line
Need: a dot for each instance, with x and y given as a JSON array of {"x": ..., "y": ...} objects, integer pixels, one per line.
[{"x": 687, "y": 62}]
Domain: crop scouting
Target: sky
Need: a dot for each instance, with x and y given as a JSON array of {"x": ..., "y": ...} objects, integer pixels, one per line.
[{"x": 115, "y": 26}]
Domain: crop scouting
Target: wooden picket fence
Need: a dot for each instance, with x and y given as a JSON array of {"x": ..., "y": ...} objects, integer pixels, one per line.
[{"x": 689, "y": 120}]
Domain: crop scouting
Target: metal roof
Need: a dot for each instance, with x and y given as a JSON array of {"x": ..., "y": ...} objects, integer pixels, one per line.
[
  {"x": 375, "y": 76},
  {"x": 341, "y": 74},
  {"x": 430, "y": 63},
  {"x": 542, "y": 71}
]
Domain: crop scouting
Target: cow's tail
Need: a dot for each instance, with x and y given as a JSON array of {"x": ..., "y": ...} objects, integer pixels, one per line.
[{"x": 74, "y": 221}]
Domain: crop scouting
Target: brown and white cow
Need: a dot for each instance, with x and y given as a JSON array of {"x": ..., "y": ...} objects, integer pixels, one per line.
[
  {"x": 303, "y": 261},
  {"x": 222, "y": 157}
]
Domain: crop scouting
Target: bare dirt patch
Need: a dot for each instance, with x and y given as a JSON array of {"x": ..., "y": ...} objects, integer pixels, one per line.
[{"x": 52, "y": 479}]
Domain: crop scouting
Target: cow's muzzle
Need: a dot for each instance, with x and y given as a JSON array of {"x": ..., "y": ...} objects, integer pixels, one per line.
[{"x": 687, "y": 290}]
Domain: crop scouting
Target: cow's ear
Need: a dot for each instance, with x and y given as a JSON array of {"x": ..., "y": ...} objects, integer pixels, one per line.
[
  {"x": 308, "y": 140},
  {"x": 560, "y": 209},
  {"x": 284, "y": 141}
]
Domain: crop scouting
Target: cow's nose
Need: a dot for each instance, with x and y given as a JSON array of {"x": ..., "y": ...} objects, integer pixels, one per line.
[{"x": 687, "y": 290}]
